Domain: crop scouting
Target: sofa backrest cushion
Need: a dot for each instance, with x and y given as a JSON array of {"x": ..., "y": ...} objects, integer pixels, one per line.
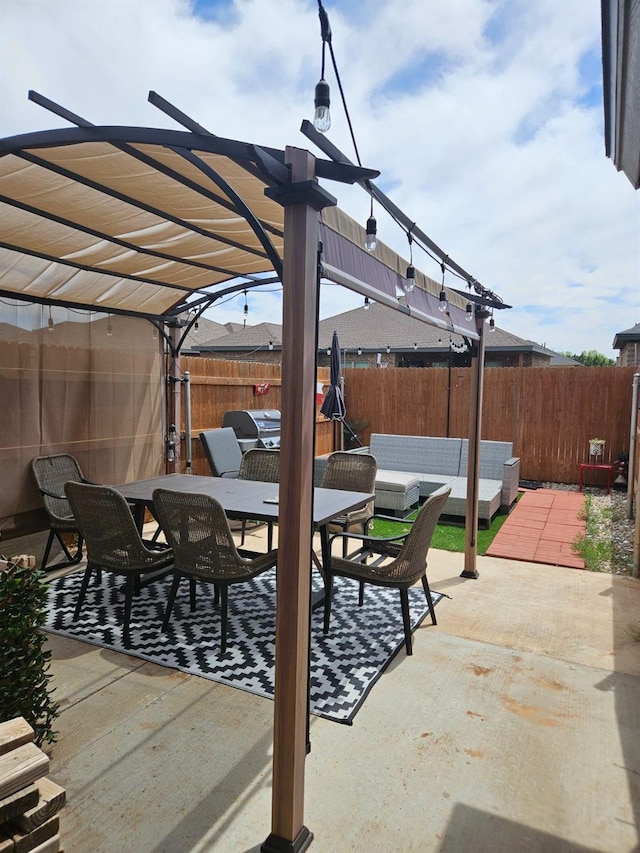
[
  {"x": 417, "y": 453},
  {"x": 493, "y": 455}
]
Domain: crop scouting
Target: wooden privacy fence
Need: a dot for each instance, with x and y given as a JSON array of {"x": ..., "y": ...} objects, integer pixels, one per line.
[
  {"x": 548, "y": 413},
  {"x": 221, "y": 386}
]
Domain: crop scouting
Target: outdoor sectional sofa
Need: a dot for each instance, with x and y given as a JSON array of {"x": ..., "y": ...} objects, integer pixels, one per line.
[{"x": 411, "y": 467}]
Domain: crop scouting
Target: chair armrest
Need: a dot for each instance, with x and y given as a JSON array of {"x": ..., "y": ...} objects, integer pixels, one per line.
[
  {"x": 52, "y": 494},
  {"x": 510, "y": 481}
]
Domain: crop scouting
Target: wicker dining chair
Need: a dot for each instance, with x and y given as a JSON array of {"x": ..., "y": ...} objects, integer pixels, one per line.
[
  {"x": 408, "y": 564},
  {"x": 352, "y": 472},
  {"x": 51, "y": 473},
  {"x": 262, "y": 465},
  {"x": 198, "y": 531},
  {"x": 113, "y": 543}
]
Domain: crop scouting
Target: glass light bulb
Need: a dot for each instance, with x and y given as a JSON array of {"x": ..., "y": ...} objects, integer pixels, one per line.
[
  {"x": 367, "y": 304},
  {"x": 469, "y": 315},
  {"x": 322, "y": 101},
  {"x": 442, "y": 303},
  {"x": 492, "y": 325},
  {"x": 370, "y": 241},
  {"x": 410, "y": 281}
]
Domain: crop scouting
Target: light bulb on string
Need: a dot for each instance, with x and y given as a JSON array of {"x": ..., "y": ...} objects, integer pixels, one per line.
[
  {"x": 442, "y": 299},
  {"x": 469, "y": 315},
  {"x": 245, "y": 311},
  {"x": 367, "y": 303},
  {"x": 410, "y": 278},
  {"x": 492, "y": 325},
  {"x": 322, "y": 96},
  {"x": 371, "y": 240},
  {"x": 50, "y": 322}
]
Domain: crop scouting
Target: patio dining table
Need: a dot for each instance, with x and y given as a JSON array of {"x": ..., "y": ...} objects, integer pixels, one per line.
[{"x": 244, "y": 499}]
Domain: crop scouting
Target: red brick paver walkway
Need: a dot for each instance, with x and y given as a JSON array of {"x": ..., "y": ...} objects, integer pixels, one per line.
[{"x": 541, "y": 529}]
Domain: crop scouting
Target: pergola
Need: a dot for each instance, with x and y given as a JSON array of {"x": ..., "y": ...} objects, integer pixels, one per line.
[{"x": 153, "y": 223}]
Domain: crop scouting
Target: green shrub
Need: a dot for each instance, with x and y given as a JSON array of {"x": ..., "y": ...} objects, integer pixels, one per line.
[{"x": 24, "y": 663}]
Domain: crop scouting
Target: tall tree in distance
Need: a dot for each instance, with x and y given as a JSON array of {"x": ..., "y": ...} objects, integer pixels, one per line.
[{"x": 591, "y": 358}]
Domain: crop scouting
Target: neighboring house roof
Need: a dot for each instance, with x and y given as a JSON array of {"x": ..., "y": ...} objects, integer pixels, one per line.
[
  {"x": 206, "y": 332},
  {"x": 242, "y": 339},
  {"x": 621, "y": 84},
  {"x": 373, "y": 330},
  {"x": 379, "y": 327},
  {"x": 627, "y": 337}
]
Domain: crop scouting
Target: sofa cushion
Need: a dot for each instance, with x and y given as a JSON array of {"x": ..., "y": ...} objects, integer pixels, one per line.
[
  {"x": 417, "y": 453},
  {"x": 395, "y": 481},
  {"x": 493, "y": 455},
  {"x": 488, "y": 498}
]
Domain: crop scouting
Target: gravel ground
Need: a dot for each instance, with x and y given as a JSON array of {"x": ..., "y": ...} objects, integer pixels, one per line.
[{"x": 610, "y": 524}]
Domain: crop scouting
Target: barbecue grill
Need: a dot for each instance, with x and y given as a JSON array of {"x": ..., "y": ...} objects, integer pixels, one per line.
[{"x": 257, "y": 428}]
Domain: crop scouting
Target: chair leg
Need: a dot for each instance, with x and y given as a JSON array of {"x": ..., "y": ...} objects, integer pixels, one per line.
[
  {"x": 427, "y": 592},
  {"x": 216, "y": 594},
  {"x": 47, "y": 549},
  {"x": 243, "y": 530},
  {"x": 404, "y": 601},
  {"x": 171, "y": 601},
  {"x": 192, "y": 594},
  {"x": 83, "y": 591},
  {"x": 361, "y": 594},
  {"x": 269, "y": 536},
  {"x": 128, "y": 599},
  {"x": 223, "y": 617},
  {"x": 328, "y": 589}
]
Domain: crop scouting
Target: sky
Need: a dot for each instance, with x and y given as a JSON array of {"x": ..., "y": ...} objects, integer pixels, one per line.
[{"x": 484, "y": 118}]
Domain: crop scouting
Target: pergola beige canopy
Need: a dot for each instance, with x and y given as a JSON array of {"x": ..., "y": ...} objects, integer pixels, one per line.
[{"x": 152, "y": 223}]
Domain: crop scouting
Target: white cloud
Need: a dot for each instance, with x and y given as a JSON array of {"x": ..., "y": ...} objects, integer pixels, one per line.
[{"x": 480, "y": 115}]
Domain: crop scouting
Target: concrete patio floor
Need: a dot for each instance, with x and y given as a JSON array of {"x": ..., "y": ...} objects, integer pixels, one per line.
[{"x": 514, "y": 726}]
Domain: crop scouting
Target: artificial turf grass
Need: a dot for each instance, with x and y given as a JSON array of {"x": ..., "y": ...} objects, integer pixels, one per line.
[{"x": 446, "y": 537}]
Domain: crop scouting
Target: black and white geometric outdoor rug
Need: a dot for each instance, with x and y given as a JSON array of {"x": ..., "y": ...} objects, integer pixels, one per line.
[{"x": 344, "y": 665}]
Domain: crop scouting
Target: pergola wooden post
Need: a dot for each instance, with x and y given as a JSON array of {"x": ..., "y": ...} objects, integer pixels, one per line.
[
  {"x": 473, "y": 462},
  {"x": 302, "y": 199}
]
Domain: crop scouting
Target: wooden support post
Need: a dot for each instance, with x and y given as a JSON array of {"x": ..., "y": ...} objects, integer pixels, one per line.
[
  {"x": 473, "y": 462},
  {"x": 174, "y": 396},
  {"x": 299, "y": 310}
]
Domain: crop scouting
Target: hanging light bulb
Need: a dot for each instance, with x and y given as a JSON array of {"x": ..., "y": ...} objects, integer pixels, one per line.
[
  {"x": 109, "y": 329},
  {"x": 410, "y": 278},
  {"x": 245, "y": 311},
  {"x": 410, "y": 281},
  {"x": 371, "y": 241},
  {"x": 50, "y": 323},
  {"x": 388, "y": 349},
  {"x": 415, "y": 347},
  {"x": 270, "y": 346},
  {"x": 322, "y": 99},
  {"x": 469, "y": 315},
  {"x": 322, "y": 102},
  {"x": 359, "y": 350},
  {"x": 442, "y": 299},
  {"x": 492, "y": 325},
  {"x": 367, "y": 303}
]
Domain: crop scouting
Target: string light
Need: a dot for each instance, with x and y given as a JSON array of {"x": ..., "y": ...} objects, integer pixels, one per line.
[
  {"x": 50, "y": 323},
  {"x": 270, "y": 346},
  {"x": 492, "y": 324},
  {"x": 367, "y": 303},
  {"x": 469, "y": 315},
  {"x": 322, "y": 99},
  {"x": 370, "y": 240},
  {"x": 245, "y": 311},
  {"x": 442, "y": 299},
  {"x": 410, "y": 280},
  {"x": 359, "y": 350},
  {"x": 415, "y": 347}
]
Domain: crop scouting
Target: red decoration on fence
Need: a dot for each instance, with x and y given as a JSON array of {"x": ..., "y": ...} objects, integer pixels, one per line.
[{"x": 261, "y": 388}]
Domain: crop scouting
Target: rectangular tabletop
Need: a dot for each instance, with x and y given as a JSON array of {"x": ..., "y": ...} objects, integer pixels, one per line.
[{"x": 244, "y": 498}]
